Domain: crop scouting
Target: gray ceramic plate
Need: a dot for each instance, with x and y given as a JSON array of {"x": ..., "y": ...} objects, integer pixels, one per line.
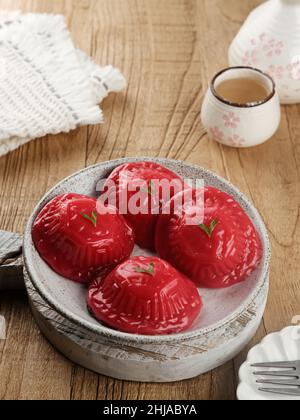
[{"x": 221, "y": 307}]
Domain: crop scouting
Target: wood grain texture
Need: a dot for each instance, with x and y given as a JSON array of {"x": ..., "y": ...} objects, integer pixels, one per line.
[{"x": 168, "y": 51}]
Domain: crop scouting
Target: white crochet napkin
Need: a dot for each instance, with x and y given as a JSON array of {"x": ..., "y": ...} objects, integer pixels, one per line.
[{"x": 46, "y": 85}]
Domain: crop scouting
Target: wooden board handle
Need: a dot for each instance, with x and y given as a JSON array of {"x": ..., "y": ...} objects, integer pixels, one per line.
[{"x": 11, "y": 261}]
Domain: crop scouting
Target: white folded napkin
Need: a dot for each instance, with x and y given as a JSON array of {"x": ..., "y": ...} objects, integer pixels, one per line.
[{"x": 47, "y": 86}]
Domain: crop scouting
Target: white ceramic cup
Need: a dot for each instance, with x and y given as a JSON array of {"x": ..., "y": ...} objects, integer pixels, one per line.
[{"x": 241, "y": 125}]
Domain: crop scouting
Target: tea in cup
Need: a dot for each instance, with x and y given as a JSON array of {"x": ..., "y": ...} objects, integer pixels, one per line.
[{"x": 241, "y": 107}]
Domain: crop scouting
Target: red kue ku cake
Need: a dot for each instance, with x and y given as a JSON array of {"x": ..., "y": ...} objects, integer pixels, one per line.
[
  {"x": 153, "y": 183},
  {"x": 77, "y": 242},
  {"x": 222, "y": 250},
  {"x": 145, "y": 296}
]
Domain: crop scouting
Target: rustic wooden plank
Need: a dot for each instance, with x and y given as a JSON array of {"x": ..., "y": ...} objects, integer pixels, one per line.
[{"x": 29, "y": 366}]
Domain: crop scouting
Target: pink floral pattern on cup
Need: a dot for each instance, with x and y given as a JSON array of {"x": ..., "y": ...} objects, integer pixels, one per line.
[
  {"x": 273, "y": 48},
  {"x": 294, "y": 70},
  {"x": 250, "y": 58},
  {"x": 236, "y": 141},
  {"x": 261, "y": 39},
  {"x": 263, "y": 36},
  {"x": 231, "y": 120},
  {"x": 263, "y": 44},
  {"x": 216, "y": 133},
  {"x": 276, "y": 72}
]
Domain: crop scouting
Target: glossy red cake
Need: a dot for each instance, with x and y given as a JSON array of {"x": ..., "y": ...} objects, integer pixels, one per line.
[
  {"x": 77, "y": 242},
  {"x": 145, "y": 296},
  {"x": 142, "y": 177},
  {"x": 223, "y": 250}
]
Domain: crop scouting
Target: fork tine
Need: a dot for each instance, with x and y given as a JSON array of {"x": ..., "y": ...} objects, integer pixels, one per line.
[
  {"x": 290, "y": 373},
  {"x": 282, "y": 391},
  {"x": 287, "y": 382},
  {"x": 287, "y": 365}
]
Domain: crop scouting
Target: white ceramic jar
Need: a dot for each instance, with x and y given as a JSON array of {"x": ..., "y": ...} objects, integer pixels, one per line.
[
  {"x": 270, "y": 40},
  {"x": 241, "y": 125}
]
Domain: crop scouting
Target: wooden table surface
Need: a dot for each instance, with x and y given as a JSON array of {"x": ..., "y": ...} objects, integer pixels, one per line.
[{"x": 168, "y": 51}]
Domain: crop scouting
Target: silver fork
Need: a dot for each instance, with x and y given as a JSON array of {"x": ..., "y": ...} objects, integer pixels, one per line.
[{"x": 286, "y": 377}]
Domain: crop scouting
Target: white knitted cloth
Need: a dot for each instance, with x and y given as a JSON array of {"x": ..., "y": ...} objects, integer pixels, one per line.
[{"x": 46, "y": 85}]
